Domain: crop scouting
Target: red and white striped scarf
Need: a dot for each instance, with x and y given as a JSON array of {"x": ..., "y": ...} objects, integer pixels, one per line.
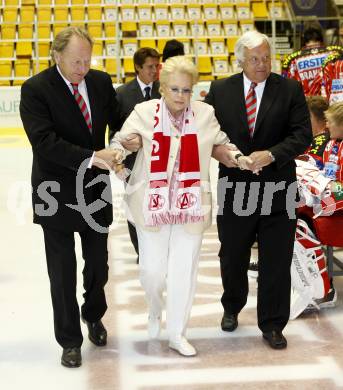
[{"x": 159, "y": 209}]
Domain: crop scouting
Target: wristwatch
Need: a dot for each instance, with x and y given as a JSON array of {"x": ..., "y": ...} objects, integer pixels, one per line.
[{"x": 271, "y": 156}]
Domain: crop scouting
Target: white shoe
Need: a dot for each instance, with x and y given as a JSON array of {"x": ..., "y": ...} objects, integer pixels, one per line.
[
  {"x": 181, "y": 345},
  {"x": 154, "y": 327}
]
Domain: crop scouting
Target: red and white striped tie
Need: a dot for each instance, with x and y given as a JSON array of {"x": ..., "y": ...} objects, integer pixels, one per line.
[
  {"x": 82, "y": 104},
  {"x": 251, "y": 104}
]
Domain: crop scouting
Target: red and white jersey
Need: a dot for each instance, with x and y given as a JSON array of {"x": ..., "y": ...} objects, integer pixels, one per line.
[
  {"x": 304, "y": 65},
  {"x": 333, "y": 78},
  {"x": 333, "y": 160}
]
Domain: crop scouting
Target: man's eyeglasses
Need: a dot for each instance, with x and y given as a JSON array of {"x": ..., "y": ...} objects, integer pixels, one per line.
[
  {"x": 256, "y": 60},
  {"x": 182, "y": 91}
]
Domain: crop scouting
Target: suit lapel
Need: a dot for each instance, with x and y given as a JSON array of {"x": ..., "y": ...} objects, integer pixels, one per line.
[
  {"x": 237, "y": 91},
  {"x": 69, "y": 102},
  {"x": 93, "y": 101},
  {"x": 136, "y": 92},
  {"x": 268, "y": 97}
]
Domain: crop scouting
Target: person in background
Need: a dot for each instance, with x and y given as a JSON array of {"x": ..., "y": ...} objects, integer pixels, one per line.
[
  {"x": 317, "y": 106},
  {"x": 173, "y": 48},
  {"x": 143, "y": 87},
  {"x": 168, "y": 194},
  {"x": 65, "y": 110},
  {"x": 305, "y": 64},
  {"x": 266, "y": 117}
]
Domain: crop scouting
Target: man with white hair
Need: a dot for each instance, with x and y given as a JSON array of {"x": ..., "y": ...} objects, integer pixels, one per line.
[{"x": 266, "y": 117}]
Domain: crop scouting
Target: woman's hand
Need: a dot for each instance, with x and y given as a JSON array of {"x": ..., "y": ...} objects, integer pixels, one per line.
[{"x": 133, "y": 142}]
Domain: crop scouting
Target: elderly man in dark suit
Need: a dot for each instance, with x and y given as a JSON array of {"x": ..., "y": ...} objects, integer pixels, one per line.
[
  {"x": 143, "y": 87},
  {"x": 266, "y": 117},
  {"x": 65, "y": 110}
]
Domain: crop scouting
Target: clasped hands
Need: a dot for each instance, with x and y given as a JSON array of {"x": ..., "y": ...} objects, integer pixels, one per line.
[
  {"x": 111, "y": 159},
  {"x": 254, "y": 162}
]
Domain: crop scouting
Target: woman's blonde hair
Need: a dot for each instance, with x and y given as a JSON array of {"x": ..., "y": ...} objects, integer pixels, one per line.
[
  {"x": 63, "y": 38},
  {"x": 178, "y": 64},
  {"x": 335, "y": 113}
]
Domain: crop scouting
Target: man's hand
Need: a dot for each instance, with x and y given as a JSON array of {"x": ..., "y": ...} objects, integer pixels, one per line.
[
  {"x": 107, "y": 158},
  {"x": 132, "y": 142},
  {"x": 223, "y": 155},
  {"x": 260, "y": 159}
]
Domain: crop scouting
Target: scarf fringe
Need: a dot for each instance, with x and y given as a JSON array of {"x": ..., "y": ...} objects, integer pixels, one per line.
[{"x": 167, "y": 218}]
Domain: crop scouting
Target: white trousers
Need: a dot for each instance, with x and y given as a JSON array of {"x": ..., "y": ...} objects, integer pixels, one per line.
[{"x": 171, "y": 257}]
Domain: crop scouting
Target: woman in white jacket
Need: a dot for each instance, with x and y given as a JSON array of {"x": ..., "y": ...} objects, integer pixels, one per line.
[{"x": 168, "y": 194}]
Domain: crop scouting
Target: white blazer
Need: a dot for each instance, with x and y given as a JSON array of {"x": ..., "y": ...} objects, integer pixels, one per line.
[{"x": 141, "y": 121}]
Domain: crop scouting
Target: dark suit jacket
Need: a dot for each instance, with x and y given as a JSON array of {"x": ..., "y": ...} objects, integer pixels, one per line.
[
  {"x": 128, "y": 95},
  {"x": 282, "y": 126},
  {"x": 61, "y": 142}
]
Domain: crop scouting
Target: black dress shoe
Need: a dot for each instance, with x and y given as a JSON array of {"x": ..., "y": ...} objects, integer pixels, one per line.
[
  {"x": 275, "y": 339},
  {"x": 229, "y": 322},
  {"x": 97, "y": 333},
  {"x": 71, "y": 357}
]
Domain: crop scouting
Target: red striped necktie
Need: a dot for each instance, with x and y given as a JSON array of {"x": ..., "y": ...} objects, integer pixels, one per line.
[
  {"x": 82, "y": 104},
  {"x": 251, "y": 104}
]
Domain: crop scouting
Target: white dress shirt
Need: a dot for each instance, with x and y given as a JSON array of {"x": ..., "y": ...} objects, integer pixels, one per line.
[{"x": 143, "y": 86}]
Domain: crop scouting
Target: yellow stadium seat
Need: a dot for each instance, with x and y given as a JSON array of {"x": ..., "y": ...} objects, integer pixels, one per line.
[
  {"x": 97, "y": 48},
  {"x": 21, "y": 69},
  {"x": 260, "y": 10},
  {"x": 61, "y": 2},
  {"x": 111, "y": 13},
  {"x": 213, "y": 27},
  {"x": 161, "y": 12},
  {"x": 11, "y": 2},
  {"x": 194, "y": 11},
  {"x": 59, "y": 27},
  {"x": 95, "y": 29},
  {"x": 128, "y": 26},
  {"x": 217, "y": 45},
  {"x": 6, "y": 72},
  {"x": 43, "y": 14},
  {"x": 48, "y": 2},
  {"x": 230, "y": 28},
  {"x": 25, "y": 31},
  {"x": 186, "y": 44},
  {"x": 128, "y": 13},
  {"x": 44, "y": 49},
  {"x": 24, "y": 49},
  {"x": 128, "y": 66},
  {"x": 226, "y": 11},
  {"x": 9, "y": 14},
  {"x": 6, "y": 49},
  {"x": 231, "y": 41},
  {"x": 200, "y": 46},
  {"x": 61, "y": 14},
  {"x": 77, "y": 1},
  {"x": 111, "y": 48},
  {"x": 160, "y": 45},
  {"x": 110, "y": 29},
  {"x": 276, "y": 10},
  {"x": 243, "y": 11},
  {"x": 144, "y": 12},
  {"x": 246, "y": 25},
  {"x": 197, "y": 28},
  {"x": 146, "y": 29},
  {"x": 8, "y": 31},
  {"x": 43, "y": 31},
  {"x": 28, "y": 2},
  {"x": 148, "y": 43},
  {"x": 111, "y": 66},
  {"x": 38, "y": 66},
  {"x": 221, "y": 65},
  {"x": 177, "y": 12},
  {"x": 129, "y": 46},
  {"x": 77, "y": 13},
  {"x": 94, "y": 12},
  {"x": 163, "y": 28},
  {"x": 27, "y": 14},
  {"x": 210, "y": 11},
  {"x": 180, "y": 28}
]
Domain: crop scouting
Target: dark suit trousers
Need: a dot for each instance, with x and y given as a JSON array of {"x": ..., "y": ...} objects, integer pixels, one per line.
[
  {"x": 61, "y": 262},
  {"x": 133, "y": 236},
  {"x": 275, "y": 236}
]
